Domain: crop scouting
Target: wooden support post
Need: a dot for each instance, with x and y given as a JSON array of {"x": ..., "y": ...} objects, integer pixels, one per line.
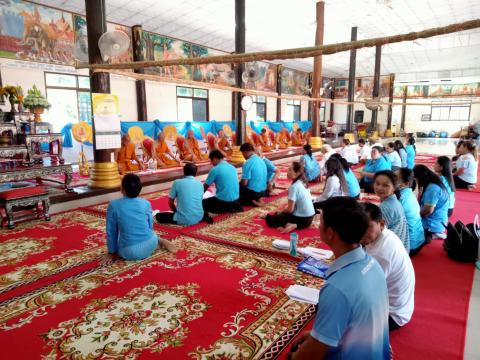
[
  {"x": 332, "y": 96},
  {"x": 351, "y": 81},
  {"x": 404, "y": 110},
  {"x": 316, "y": 140},
  {"x": 390, "y": 100},
  {"x": 279, "y": 91},
  {"x": 139, "y": 84},
  {"x": 376, "y": 85},
  {"x": 104, "y": 173}
]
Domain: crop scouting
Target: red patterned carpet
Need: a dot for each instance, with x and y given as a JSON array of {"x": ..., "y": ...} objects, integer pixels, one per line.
[{"x": 220, "y": 297}]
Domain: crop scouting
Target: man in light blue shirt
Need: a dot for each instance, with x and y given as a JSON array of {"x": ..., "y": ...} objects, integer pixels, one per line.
[
  {"x": 224, "y": 176},
  {"x": 188, "y": 194},
  {"x": 353, "y": 307},
  {"x": 254, "y": 177}
]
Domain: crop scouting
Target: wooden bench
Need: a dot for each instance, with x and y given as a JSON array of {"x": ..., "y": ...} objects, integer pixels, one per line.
[{"x": 13, "y": 199}]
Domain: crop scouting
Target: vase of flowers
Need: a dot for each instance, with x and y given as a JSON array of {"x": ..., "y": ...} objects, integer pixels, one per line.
[
  {"x": 36, "y": 103},
  {"x": 20, "y": 99}
]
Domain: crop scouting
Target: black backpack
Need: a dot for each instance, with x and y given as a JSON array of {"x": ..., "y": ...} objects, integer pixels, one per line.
[{"x": 461, "y": 243}]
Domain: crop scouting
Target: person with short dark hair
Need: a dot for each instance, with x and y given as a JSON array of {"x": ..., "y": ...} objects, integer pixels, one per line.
[
  {"x": 377, "y": 163},
  {"x": 311, "y": 166},
  {"x": 393, "y": 156},
  {"x": 224, "y": 176},
  {"x": 130, "y": 232},
  {"x": 385, "y": 246},
  {"x": 411, "y": 208},
  {"x": 400, "y": 149},
  {"x": 349, "y": 153},
  {"x": 364, "y": 151},
  {"x": 185, "y": 200},
  {"x": 254, "y": 177},
  {"x": 272, "y": 172},
  {"x": 353, "y": 308},
  {"x": 299, "y": 212}
]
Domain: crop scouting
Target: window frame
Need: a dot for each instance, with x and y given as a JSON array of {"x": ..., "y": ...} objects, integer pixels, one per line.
[
  {"x": 440, "y": 105},
  {"x": 296, "y": 104},
  {"x": 193, "y": 97}
]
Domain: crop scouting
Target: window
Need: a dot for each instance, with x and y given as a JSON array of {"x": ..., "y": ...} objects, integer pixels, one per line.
[
  {"x": 192, "y": 104},
  {"x": 258, "y": 111},
  {"x": 293, "y": 110},
  {"x": 448, "y": 110},
  {"x": 70, "y": 97}
]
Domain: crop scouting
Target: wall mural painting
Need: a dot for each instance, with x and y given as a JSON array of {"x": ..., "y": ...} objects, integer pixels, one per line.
[
  {"x": 417, "y": 91},
  {"x": 294, "y": 82},
  {"x": 341, "y": 88},
  {"x": 466, "y": 89},
  {"x": 439, "y": 90},
  {"x": 35, "y": 33},
  {"x": 398, "y": 91},
  {"x": 212, "y": 73},
  {"x": 158, "y": 47},
  {"x": 267, "y": 80},
  {"x": 81, "y": 34},
  {"x": 364, "y": 87}
]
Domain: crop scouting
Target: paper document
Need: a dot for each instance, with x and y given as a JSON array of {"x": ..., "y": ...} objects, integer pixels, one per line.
[{"x": 303, "y": 294}]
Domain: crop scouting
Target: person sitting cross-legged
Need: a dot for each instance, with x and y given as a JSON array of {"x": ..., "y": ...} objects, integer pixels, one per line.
[
  {"x": 254, "y": 177},
  {"x": 299, "y": 212},
  {"x": 352, "y": 311},
  {"x": 385, "y": 247},
  {"x": 378, "y": 162},
  {"x": 130, "y": 232},
  {"x": 188, "y": 194},
  {"x": 127, "y": 160},
  {"x": 224, "y": 176}
]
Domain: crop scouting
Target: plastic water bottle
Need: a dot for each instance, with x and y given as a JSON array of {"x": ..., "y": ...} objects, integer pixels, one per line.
[{"x": 293, "y": 243}]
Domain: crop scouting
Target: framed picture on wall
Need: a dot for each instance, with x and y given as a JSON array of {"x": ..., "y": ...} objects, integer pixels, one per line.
[{"x": 426, "y": 117}]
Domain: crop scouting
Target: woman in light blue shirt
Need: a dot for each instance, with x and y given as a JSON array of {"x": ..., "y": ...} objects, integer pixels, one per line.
[
  {"x": 385, "y": 183},
  {"x": 378, "y": 162},
  {"x": 402, "y": 152},
  {"x": 411, "y": 208},
  {"x": 299, "y": 212},
  {"x": 411, "y": 152},
  {"x": 434, "y": 202},
  {"x": 130, "y": 232},
  {"x": 393, "y": 156},
  {"x": 350, "y": 178},
  {"x": 310, "y": 164},
  {"x": 443, "y": 168}
]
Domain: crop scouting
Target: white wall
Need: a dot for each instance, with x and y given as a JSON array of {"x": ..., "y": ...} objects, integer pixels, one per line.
[
  {"x": 161, "y": 101},
  {"x": 220, "y": 105},
  {"x": 304, "y": 110},
  {"x": 125, "y": 89},
  {"x": 271, "y": 109}
]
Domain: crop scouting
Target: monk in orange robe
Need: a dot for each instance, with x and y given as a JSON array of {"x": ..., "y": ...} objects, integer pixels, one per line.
[
  {"x": 194, "y": 148},
  {"x": 264, "y": 141},
  {"x": 297, "y": 138},
  {"x": 127, "y": 160},
  {"x": 223, "y": 144},
  {"x": 283, "y": 139},
  {"x": 165, "y": 157}
]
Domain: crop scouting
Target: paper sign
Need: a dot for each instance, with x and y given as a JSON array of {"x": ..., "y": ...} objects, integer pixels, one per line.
[{"x": 106, "y": 121}]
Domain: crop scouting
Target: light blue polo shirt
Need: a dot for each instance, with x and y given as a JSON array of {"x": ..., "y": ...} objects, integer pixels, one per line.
[
  {"x": 188, "y": 192},
  {"x": 270, "y": 169},
  {"x": 311, "y": 167},
  {"x": 404, "y": 158},
  {"x": 255, "y": 171},
  {"x": 352, "y": 310},
  {"x": 395, "y": 220},
  {"x": 352, "y": 182},
  {"x": 395, "y": 159},
  {"x": 435, "y": 196},
  {"x": 374, "y": 166},
  {"x": 410, "y": 156},
  {"x": 411, "y": 208},
  {"x": 451, "y": 194},
  {"x": 303, "y": 200},
  {"x": 224, "y": 175}
]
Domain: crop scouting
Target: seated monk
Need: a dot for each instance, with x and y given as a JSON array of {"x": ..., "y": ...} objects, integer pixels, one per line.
[
  {"x": 194, "y": 147},
  {"x": 127, "y": 160},
  {"x": 264, "y": 141},
  {"x": 224, "y": 145},
  {"x": 165, "y": 157},
  {"x": 297, "y": 138},
  {"x": 283, "y": 139}
]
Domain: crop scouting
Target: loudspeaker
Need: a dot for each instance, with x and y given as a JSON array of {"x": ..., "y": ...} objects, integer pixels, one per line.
[{"x": 358, "y": 117}]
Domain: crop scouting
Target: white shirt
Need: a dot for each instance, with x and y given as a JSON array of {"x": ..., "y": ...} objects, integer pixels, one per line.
[
  {"x": 303, "y": 200},
  {"x": 389, "y": 251},
  {"x": 332, "y": 189},
  {"x": 322, "y": 162},
  {"x": 470, "y": 168},
  {"x": 365, "y": 152},
  {"x": 349, "y": 154}
]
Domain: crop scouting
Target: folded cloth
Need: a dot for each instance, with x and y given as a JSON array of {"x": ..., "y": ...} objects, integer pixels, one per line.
[
  {"x": 303, "y": 294},
  {"x": 281, "y": 244}
]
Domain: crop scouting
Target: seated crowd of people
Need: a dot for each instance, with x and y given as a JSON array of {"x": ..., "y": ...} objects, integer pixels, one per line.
[{"x": 370, "y": 285}]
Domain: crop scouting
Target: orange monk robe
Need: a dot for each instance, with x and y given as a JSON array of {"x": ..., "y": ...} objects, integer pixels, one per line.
[
  {"x": 125, "y": 157},
  {"x": 264, "y": 143},
  {"x": 224, "y": 146},
  {"x": 297, "y": 138},
  {"x": 193, "y": 144},
  {"x": 162, "y": 154},
  {"x": 283, "y": 141}
]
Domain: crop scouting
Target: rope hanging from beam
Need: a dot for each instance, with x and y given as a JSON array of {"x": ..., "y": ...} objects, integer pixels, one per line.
[
  {"x": 297, "y": 53},
  {"x": 164, "y": 79}
]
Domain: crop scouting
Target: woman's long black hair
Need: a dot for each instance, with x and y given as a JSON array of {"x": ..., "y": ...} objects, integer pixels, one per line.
[
  {"x": 308, "y": 150},
  {"x": 334, "y": 167},
  {"x": 446, "y": 164},
  {"x": 411, "y": 141},
  {"x": 298, "y": 168},
  {"x": 425, "y": 177}
]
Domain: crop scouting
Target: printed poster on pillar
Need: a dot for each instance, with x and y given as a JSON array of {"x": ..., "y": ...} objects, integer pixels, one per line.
[{"x": 106, "y": 121}]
